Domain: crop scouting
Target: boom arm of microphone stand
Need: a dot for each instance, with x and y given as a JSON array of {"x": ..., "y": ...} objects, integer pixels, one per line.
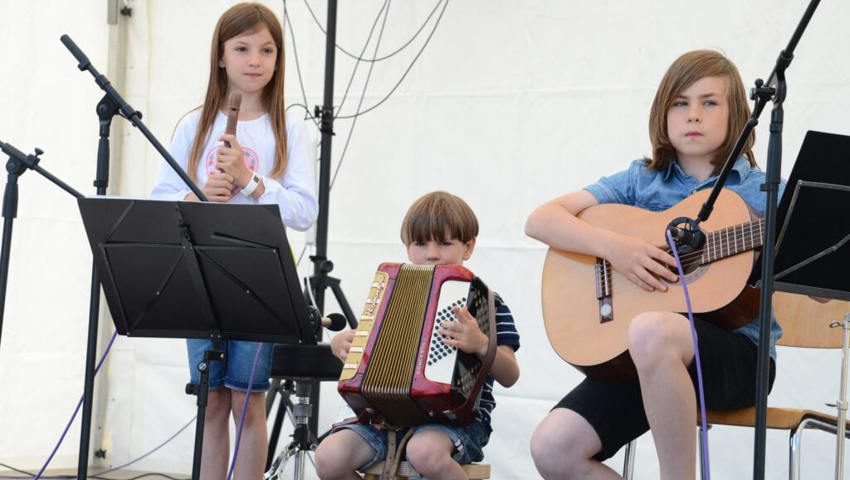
[{"x": 129, "y": 113}]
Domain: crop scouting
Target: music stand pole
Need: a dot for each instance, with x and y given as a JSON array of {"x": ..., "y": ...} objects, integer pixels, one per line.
[
  {"x": 110, "y": 105},
  {"x": 322, "y": 266}
]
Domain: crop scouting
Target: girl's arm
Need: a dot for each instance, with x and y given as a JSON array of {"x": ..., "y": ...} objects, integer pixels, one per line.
[
  {"x": 555, "y": 224},
  {"x": 295, "y": 192}
]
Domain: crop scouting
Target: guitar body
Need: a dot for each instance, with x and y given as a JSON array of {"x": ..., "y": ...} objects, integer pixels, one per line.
[{"x": 598, "y": 345}]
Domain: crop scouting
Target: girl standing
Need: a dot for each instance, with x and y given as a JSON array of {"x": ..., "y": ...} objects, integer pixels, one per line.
[{"x": 269, "y": 161}]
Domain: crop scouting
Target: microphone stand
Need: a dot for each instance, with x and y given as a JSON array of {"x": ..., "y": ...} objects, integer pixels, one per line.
[
  {"x": 320, "y": 280},
  {"x": 16, "y": 166},
  {"x": 774, "y": 90},
  {"x": 111, "y": 104}
]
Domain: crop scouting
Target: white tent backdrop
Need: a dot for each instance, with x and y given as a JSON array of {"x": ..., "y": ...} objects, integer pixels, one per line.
[{"x": 510, "y": 104}]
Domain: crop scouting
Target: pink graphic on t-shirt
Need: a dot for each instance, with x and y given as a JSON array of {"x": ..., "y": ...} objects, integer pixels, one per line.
[{"x": 252, "y": 160}]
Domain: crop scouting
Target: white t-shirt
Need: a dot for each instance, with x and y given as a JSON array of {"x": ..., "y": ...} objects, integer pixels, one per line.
[{"x": 294, "y": 192}]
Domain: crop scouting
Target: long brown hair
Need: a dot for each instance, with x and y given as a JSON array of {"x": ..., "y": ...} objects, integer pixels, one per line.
[
  {"x": 239, "y": 19},
  {"x": 684, "y": 72}
]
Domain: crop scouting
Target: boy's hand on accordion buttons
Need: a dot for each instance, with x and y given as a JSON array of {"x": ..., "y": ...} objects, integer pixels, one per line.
[
  {"x": 341, "y": 344},
  {"x": 464, "y": 334}
]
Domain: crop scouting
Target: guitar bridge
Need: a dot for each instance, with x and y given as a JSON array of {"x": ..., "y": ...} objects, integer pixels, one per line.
[{"x": 603, "y": 290}]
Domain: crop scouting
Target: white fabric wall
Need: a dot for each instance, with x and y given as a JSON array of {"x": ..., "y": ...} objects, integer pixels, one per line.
[{"x": 510, "y": 104}]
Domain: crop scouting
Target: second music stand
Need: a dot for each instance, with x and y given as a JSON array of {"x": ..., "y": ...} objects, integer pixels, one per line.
[
  {"x": 813, "y": 241},
  {"x": 197, "y": 270}
]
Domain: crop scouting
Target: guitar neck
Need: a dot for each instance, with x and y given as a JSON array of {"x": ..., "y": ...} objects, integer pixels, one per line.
[{"x": 732, "y": 241}]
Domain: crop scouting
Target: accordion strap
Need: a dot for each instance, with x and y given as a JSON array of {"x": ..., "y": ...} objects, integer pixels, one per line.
[{"x": 395, "y": 451}]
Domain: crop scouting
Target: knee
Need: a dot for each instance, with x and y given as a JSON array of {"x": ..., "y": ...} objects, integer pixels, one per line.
[
  {"x": 560, "y": 446},
  {"x": 428, "y": 455},
  {"x": 331, "y": 461},
  {"x": 651, "y": 336},
  {"x": 548, "y": 451}
]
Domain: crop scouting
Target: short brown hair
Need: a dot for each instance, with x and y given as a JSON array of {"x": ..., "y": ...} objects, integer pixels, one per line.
[
  {"x": 684, "y": 72},
  {"x": 438, "y": 216}
]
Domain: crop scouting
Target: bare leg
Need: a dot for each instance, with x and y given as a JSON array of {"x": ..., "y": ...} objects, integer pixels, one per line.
[
  {"x": 662, "y": 347},
  {"x": 430, "y": 451},
  {"x": 253, "y": 446},
  {"x": 340, "y": 454},
  {"x": 216, "y": 435},
  {"x": 563, "y": 446}
]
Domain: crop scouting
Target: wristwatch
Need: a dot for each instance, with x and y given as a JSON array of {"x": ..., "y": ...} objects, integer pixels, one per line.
[{"x": 252, "y": 185}]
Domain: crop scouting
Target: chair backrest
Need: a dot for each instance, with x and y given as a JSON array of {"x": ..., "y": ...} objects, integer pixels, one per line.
[{"x": 805, "y": 322}]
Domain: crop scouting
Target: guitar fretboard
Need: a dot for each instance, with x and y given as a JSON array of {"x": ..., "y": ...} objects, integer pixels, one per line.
[{"x": 732, "y": 240}]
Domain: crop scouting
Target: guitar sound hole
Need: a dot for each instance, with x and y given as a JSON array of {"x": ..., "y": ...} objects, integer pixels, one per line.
[{"x": 687, "y": 266}]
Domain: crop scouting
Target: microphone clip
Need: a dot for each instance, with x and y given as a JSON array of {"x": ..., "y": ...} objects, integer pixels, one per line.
[{"x": 687, "y": 235}]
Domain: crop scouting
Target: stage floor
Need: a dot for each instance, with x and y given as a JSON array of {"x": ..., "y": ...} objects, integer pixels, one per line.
[{"x": 71, "y": 473}]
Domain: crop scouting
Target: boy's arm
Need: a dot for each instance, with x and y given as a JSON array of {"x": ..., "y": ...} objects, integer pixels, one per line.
[
  {"x": 555, "y": 223},
  {"x": 505, "y": 368},
  {"x": 464, "y": 334}
]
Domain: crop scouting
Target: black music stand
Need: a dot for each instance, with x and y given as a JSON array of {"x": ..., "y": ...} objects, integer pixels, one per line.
[
  {"x": 197, "y": 270},
  {"x": 814, "y": 235},
  {"x": 813, "y": 243}
]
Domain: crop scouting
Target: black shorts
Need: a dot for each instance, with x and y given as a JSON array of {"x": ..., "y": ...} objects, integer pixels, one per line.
[{"x": 615, "y": 409}]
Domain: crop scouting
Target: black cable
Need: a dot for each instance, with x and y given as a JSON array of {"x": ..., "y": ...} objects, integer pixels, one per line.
[
  {"x": 386, "y": 12},
  {"x": 360, "y": 57},
  {"x": 297, "y": 67},
  {"x": 413, "y": 62}
]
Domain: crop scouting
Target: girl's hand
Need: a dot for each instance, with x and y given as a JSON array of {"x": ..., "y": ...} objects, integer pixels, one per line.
[
  {"x": 231, "y": 160},
  {"x": 341, "y": 344},
  {"x": 219, "y": 187},
  {"x": 643, "y": 263},
  {"x": 464, "y": 334}
]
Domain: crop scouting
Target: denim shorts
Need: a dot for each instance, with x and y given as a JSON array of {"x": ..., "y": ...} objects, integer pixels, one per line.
[
  {"x": 235, "y": 372},
  {"x": 469, "y": 441}
]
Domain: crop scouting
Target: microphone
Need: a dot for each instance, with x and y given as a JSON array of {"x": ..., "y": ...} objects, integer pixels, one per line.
[
  {"x": 76, "y": 52},
  {"x": 334, "y": 322},
  {"x": 680, "y": 235},
  {"x": 232, "y": 115}
]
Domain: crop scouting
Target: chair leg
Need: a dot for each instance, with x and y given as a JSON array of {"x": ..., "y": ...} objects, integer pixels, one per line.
[
  {"x": 629, "y": 460},
  {"x": 794, "y": 455}
]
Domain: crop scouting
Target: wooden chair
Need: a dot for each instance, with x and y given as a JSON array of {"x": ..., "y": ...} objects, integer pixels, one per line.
[
  {"x": 806, "y": 324},
  {"x": 475, "y": 471}
]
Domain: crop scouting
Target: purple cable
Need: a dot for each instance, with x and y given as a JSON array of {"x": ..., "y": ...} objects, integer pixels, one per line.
[
  {"x": 704, "y": 432},
  {"x": 244, "y": 409},
  {"x": 76, "y": 410}
]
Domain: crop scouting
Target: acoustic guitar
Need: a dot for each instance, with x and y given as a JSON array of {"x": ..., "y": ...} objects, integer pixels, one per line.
[{"x": 587, "y": 306}]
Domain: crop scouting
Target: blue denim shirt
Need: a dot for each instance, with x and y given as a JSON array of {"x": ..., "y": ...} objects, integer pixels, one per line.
[{"x": 657, "y": 190}]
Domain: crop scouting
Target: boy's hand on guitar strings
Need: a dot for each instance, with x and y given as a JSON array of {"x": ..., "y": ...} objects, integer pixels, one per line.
[
  {"x": 463, "y": 333},
  {"x": 643, "y": 263}
]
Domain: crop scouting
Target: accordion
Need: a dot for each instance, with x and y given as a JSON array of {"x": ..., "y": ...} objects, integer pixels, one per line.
[{"x": 398, "y": 369}]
